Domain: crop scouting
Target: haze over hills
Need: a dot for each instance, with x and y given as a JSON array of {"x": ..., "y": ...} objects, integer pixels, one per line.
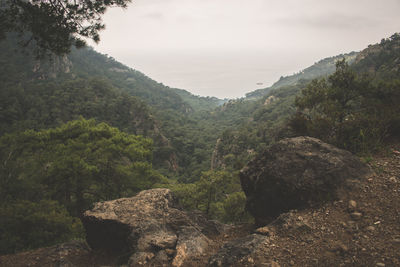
[{"x": 194, "y": 145}]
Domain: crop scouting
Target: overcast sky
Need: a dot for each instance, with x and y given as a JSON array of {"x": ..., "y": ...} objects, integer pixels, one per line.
[{"x": 224, "y": 48}]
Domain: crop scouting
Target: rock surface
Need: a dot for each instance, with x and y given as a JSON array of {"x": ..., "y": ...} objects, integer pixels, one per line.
[
  {"x": 148, "y": 226},
  {"x": 296, "y": 173}
]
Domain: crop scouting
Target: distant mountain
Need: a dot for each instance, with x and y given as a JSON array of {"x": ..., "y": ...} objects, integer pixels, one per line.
[{"x": 323, "y": 67}]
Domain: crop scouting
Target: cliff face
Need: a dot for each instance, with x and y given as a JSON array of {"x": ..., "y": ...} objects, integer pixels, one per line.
[{"x": 52, "y": 67}]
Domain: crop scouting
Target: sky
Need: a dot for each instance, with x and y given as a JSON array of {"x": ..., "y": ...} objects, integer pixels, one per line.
[{"x": 226, "y": 48}]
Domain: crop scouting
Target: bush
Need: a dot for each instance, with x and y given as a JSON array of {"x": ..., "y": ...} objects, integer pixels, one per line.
[{"x": 28, "y": 225}]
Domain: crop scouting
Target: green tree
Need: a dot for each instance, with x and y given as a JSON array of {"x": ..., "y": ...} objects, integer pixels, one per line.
[
  {"x": 217, "y": 193},
  {"x": 55, "y": 25},
  {"x": 29, "y": 225},
  {"x": 348, "y": 110},
  {"x": 76, "y": 164}
]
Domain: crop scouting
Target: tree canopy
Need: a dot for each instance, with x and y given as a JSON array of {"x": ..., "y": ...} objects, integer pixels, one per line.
[
  {"x": 348, "y": 110},
  {"x": 49, "y": 177},
  {"x": 55, "y": 25}
]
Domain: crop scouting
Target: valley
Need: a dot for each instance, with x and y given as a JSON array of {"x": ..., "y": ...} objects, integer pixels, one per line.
[{"x": 82, "y": 128}]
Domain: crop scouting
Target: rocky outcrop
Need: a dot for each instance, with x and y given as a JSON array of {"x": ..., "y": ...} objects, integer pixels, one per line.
[
  {"x": 149, "y": 227},
  {"x": 52, "y": 67},
  {"x": 216, "y": 159},
  {"x": 295, "y": 173},
  {"x": 270, "y": 100}
]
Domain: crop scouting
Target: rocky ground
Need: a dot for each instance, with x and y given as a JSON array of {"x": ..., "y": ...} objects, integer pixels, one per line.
[{"x": 361, "y": 228}]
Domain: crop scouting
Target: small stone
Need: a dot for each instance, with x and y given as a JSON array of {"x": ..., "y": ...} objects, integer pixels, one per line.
[
  {"x": 275, "y": 264},
  {"x": 396, "y": 240},
  {"x": 370, "y": 228},
  {"x": 339, "y": 248},
  {"x": 291, "y": 263},
  {"x": 343, "y": 248},
  {"x": 170, "y": 252},
  {"x": 380, "y": 264},
  {"x": 352, "y": 205},
  {"x": 264, "y": 231},
  {"x": 356, "y": 215},
  {"x": 393, "y": 179}
]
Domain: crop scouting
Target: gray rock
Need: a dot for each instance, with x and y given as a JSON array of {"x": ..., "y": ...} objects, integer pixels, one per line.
[{"x": 296, "y": 173}]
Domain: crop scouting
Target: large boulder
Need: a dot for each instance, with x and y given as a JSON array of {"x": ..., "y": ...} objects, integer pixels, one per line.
[
  {"x": 150, "y": 227},
  {"x": 295, "y": 173}
]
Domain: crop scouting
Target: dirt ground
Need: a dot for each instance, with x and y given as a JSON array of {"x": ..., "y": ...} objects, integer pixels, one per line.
[{"x": 362, "y": 228}]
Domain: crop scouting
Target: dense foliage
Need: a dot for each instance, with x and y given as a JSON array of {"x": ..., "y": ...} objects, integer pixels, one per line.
[
  {"x": 349, "y": 110},
  {"x": 54, "y": 26},
  {"x": 59, "y": 152},
  {"x": 74, "y": 165},
  {"x": 217, "y": 193}
]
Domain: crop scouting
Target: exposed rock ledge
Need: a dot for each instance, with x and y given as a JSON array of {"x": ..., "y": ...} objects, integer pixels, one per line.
[{"x": 150, "y": 227}]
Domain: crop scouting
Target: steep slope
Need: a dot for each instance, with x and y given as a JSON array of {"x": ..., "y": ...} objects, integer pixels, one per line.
[{"x": 40, "y": 93}]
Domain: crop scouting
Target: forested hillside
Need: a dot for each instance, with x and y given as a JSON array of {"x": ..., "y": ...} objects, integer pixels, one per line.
[
  {"x": 83, "y": 128},
  {"x": 321, "y": 68},
  {"x": 373, "y": 94}
]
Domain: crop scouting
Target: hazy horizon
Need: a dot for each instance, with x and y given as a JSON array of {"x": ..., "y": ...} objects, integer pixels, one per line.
[{"x": 223, "y": 48}]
